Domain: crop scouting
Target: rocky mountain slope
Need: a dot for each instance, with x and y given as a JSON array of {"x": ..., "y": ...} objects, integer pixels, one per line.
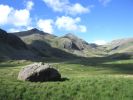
[
  {"x": 68, "y": 43},
  {"x": 12, "y": 46},
  {"x": 36, "y": 44},
  {"x": 71, "y": 43},
  {"x": 120, "y": 46},
  {"x": 33, "y": 45},
  {"x": 41, "y": 42}
]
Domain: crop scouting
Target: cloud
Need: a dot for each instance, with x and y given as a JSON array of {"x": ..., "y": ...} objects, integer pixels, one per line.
[
  {"x": 57, "y": 5},
  {"x": 29, "y": 5},
  {"x": 65, "y": 22},
  {"x": 67, "y": 7},
  {"x": 104, "y": 2},
  {"x": 20, "y": 17},
  {"x": 100, "y": 42},
  {"x": 77, "y": 9},
  {"x": 46, "y": 25},
  {"x": 5, "y": 11},
  {"x": 70, "y": 24},
  {"x": 14, "y": 16}
]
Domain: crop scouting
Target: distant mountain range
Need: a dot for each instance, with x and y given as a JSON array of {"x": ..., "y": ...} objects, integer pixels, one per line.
[
  {"x": 36, "y": 44},
  {"x": 120, "y": 46}
]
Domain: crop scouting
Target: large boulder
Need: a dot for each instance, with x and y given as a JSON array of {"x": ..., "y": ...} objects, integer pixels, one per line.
[{"x": 39, "y": 72}]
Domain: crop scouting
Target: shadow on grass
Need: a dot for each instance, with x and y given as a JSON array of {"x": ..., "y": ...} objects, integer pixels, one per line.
[
  {"x": 8, "y": 65},
  {"x": 46, "y": 53},
  {"x": 64, "y": 79},
  {"x": 59, "y": 80},
  {"x": 120, "y": 68},
  {"x": 12, "y": 63}
]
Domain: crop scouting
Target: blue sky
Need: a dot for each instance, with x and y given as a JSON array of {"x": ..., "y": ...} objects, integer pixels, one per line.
[{"x": 98, "y": 21}]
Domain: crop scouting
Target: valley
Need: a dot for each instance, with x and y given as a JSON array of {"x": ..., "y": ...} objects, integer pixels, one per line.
[{"x": 88, "y": 71}]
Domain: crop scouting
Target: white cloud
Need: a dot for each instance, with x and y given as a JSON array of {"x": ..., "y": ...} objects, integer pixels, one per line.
[
  {"x": 67, "y": 7},
  {"x": 70, "y": 24},
  {"x": 14, "y": 16},
  {"x": 5, "y": 11},
  {"x": 77, "y": 9},
  {"x": 56, "y": 5},
  {"x": 104, "y": 2},
  {"x": 46, "y": 25},
  {"x": 29, "y": 5},
  {"x": 20, "y": 17},
  {"x": 100, "y": 42}
]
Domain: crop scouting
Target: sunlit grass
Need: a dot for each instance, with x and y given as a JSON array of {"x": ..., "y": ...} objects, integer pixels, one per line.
[{"x": 85, "y": 82}]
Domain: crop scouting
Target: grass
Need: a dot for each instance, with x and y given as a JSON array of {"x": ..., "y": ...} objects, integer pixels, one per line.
[{"x": 92, "y": 79}]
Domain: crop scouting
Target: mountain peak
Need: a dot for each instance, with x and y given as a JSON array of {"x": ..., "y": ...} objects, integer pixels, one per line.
[
  {"x": 35, "y": 30},
  {"x": 71, "y": 36},
  {"x": 30, "y": 32}
]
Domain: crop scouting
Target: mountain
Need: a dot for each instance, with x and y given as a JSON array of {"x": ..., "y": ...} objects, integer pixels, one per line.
[
  {"x": 11, "y": 40},
  {"x": 35, "y": 44},
  {"x": 41, "y": 43},
  {"x": 120, "y": 46},
  {"x": 69, "y": 43},
  {"x": 12, "y": 46},
  {"x": 29, "y": 45},
  {"x": 34, "y": 34}
]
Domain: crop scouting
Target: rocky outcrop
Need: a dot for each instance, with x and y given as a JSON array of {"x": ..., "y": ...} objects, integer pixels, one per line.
[
  {"x": 70, "y": 41},
  {"x": 39, "y": 72}
]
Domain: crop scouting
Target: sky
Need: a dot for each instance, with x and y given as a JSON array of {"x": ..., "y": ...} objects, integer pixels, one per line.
[{"x": 95, "y": 21}]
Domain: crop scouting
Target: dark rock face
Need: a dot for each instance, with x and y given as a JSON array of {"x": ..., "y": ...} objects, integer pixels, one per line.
[
  {"x": 38, "y": 72},
  {"x": 12, "y": 40},
  {"x": 2, "y": 33}
]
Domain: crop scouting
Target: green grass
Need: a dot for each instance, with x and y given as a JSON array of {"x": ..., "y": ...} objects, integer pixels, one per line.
[{"x": 92, "y": 79}]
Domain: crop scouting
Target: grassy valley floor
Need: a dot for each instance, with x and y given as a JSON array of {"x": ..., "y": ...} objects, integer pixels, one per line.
[{"x": 84, "y": 79}]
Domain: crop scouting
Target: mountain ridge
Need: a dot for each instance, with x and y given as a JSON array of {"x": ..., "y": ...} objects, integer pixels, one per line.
[
  {"x": 41, "y": 44},
  {"x": 30, "y": 32}
]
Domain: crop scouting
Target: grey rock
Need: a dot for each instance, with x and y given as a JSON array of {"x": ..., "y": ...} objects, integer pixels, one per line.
[
  {"x": 73, "y": 43},
  {"x": 39, "y": 72}
]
